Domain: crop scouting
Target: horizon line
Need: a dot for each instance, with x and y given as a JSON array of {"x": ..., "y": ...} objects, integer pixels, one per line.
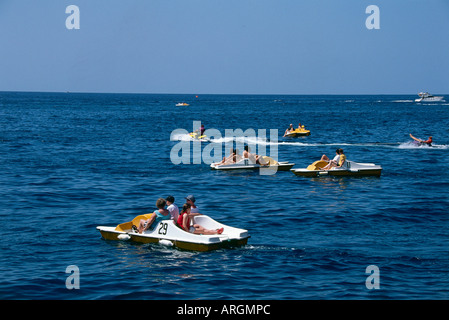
[{"x": 235, "y": 94}]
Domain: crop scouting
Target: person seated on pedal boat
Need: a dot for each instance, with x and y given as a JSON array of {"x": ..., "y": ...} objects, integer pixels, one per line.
[
  {"x": 172, "y": 208},
  {"x": 232, "y": 158},
  {"x": 340, "y": 162},
  {"x": 184, "y": 222},
  {"x": 331, "y": 163},
  {"x": 158, "y": 215},
  {"x": 254, "y": 158}
]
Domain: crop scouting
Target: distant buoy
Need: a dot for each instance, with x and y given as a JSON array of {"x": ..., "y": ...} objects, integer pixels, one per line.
[{"x": 123, "y": 237}]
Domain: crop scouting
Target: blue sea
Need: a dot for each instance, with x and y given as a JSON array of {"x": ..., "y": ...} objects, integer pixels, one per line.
[{"x": 70, "y": 162}]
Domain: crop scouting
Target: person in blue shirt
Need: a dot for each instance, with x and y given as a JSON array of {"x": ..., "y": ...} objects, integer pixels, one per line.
[{"x": 158, "y": 215}]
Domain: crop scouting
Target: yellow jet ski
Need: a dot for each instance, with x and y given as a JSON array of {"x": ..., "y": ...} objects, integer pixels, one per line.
[
  {"x": 298, "y": 132},
  {"x": 197, "y": 136}
]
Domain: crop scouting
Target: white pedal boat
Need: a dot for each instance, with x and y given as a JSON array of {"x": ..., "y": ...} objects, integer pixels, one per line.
[
  {"x": 168, "y": 233},
  {"x": 246, "y": 164},
  {"x": 350, "y": 168}
]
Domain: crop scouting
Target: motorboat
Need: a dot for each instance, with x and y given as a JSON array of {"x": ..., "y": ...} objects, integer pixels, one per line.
[
  {"x": 349, "y": 168},
  {"x": 247, "y": 164},
  {"x": 167, "y": 233},
  {"x": 198, "y": 136},
  {"x": 425, "y": 96},
  {"x": 182, "y": 104},
  {"x": 298, "y": 132}
]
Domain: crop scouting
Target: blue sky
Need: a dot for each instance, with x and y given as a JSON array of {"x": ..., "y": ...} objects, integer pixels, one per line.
[{"x": 225, "y": 46}]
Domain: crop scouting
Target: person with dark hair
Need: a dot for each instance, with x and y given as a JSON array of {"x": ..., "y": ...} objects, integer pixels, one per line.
[
  {"x": 191, "y": 201},
  {"x": 254, "y": 158},
  {"x": 342, "y": 160},
  {"x": 232, "y": 158},
  {"x": 333, "y": 162},
  {"x": 172, "y": 208},
  {"x": 158, "y": 215},
  {"x": 428, "y": 141},
  {"x": 200, "y": 130},
  {"x": 184, "y": 223},
  {"x": 289, "y": 129}
]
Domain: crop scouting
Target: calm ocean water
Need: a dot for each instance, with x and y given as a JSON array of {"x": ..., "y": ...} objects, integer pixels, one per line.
[{"x": 70, "y": 162}]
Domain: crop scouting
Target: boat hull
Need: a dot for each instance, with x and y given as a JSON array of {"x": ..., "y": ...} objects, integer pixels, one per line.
[
  {"x": 336, "y": 173},
  {"x": 298, "y": 133},
  {"x": 280, "y": 167},
  {"x": 246, "y": 164},
  {"x": 193, "y": 246},
  {"x": 433, "y": 99}
]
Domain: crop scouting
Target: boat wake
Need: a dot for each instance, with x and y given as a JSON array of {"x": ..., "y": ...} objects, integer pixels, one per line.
[
  {"x": 411, "y": 145},
  {"x": 397, "y": 145},
  {"x": 433, "y": 103},
  {"x": 267, "y": 142},
  {"x": 181, "y": 137}
]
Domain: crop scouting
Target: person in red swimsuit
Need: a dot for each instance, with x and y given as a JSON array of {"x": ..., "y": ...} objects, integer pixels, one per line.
[
  {"x": 429, "y": 141},
  {"x": 184, "y": 223}
]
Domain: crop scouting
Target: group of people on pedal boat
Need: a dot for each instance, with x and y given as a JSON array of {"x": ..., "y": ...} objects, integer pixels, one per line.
[{"x": 182, "y": 219}]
